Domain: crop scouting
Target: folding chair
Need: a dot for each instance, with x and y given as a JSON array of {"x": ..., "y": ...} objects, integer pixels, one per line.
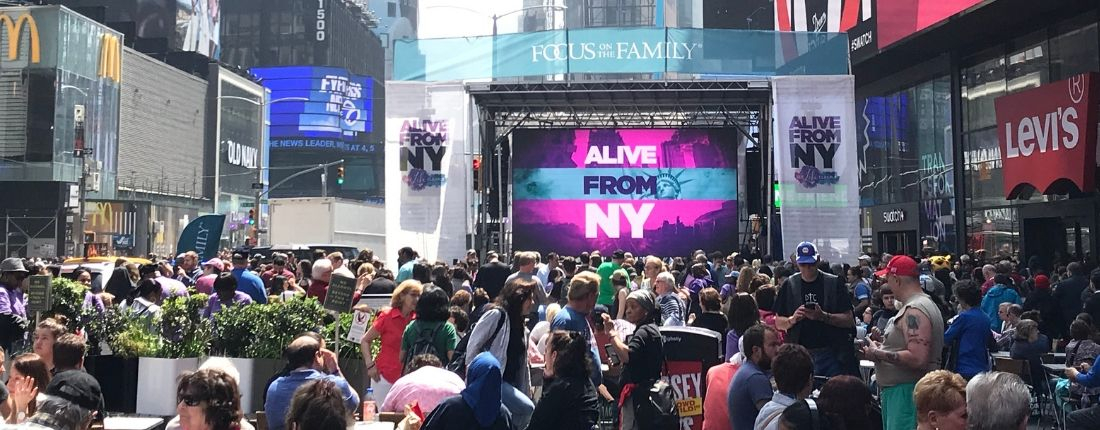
[{"x": 1022, "y": 368}]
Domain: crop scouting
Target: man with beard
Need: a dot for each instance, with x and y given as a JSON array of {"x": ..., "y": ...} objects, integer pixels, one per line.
[{"x": 751, "y": 387}]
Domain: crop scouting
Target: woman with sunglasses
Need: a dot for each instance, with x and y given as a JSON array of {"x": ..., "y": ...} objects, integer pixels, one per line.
[
  {"x": 209, "y": 399},
  {"x": 569, "y": 398}
]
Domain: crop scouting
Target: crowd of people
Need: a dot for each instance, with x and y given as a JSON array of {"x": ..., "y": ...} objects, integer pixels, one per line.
[{"x": 458, "y": 344}]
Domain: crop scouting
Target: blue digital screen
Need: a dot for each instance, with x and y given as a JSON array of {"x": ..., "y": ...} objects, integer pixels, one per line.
[{"x": 318, "y": 108}]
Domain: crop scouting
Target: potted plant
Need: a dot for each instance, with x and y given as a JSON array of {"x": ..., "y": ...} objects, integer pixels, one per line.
[
  {"x": 116, "y": 366},
  {"x": 253, "y": 337},
  {"x": 169, "y": 346}
]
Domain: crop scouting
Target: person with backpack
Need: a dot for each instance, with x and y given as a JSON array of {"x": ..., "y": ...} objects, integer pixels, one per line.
[
  {"x": 569, "y": 399},
  {"x": 430, "y": 332},
  {"x": 501, "y": 332},
  {"x": 389, "y": 326},
  {"x": 643, "y": 358}
]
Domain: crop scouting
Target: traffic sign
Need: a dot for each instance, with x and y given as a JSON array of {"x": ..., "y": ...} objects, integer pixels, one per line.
[{"x": 257, "y": 185}]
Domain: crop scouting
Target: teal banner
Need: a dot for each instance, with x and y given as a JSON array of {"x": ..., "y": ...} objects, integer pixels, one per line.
[
  {"x": 202, "y": 236},
  {"x": 623, "y": 50}
]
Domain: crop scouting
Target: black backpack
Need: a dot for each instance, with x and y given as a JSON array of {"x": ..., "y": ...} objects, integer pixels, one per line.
[
  {"x": 424, "y": 344},
  {"x": 655, "y": 409},
  {"x": 458, "y": 360}
]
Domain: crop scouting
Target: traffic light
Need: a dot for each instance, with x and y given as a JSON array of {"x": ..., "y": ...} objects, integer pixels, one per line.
[
  {"x": 340, "y": 175},
  {"x": 252, "y": 217},
  {"x": 477, "y": 173}
]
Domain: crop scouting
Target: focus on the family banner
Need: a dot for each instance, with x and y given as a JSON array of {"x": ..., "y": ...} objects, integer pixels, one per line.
[{"x": 816, "y": 164}]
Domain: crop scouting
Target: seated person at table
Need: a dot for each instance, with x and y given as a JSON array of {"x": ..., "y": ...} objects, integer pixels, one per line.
[
  {"x": 224, "y": 366},
  {"x": 310, "y": 360},
  {"x": 1086, "y": 375},
  {"x": 424, "y": 381},
  {"x": 1030, "y": 345},
  {"x": 479, "y": 405}
]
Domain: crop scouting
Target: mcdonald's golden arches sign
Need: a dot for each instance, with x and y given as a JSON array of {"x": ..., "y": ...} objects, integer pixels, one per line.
[
  {"x": 110, "y": 58},
  {"x": 14, "y": 29}
]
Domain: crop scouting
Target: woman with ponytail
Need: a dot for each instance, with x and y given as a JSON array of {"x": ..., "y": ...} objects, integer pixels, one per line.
[{"x": 569, "y": 398}]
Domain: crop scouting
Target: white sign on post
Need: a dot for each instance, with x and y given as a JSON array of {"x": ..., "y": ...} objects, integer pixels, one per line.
[{"x": 359, "y": 326}]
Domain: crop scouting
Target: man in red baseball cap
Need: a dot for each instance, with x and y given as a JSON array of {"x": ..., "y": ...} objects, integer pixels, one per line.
[{"x": 911, "y": 346}]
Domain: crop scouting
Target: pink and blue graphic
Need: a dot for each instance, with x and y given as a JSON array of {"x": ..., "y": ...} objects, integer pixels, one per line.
[{"x": 649, "y": 191}]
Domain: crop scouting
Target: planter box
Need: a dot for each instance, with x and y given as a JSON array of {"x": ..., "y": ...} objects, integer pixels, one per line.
[
  {"x": 157, "y": 379},
  {"x": 263, "y": 370},
  {"x": 353, "y": 369},
  {"x": 118, "y": 378}
]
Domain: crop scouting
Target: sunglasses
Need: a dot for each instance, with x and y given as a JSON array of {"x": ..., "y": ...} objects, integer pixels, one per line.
[{"x": 190, "y": 400}]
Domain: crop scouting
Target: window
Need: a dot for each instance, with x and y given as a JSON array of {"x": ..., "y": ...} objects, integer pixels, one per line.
[
  {"x": 1075, "y": 48},
  {"x": 391, "y": 9}
]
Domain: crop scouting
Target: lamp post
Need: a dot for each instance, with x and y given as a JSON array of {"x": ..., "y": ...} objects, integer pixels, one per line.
[
  {"x": 81, "y": 153},
  {"x": 258, "y": 192}
]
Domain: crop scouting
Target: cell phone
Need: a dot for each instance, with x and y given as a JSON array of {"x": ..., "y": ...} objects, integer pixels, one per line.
[
  {"x": 811, "y": 305},
  {"x": 612, "y": 355}
]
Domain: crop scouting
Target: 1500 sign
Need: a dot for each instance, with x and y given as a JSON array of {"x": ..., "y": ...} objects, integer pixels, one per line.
[{"x": 321, "y": 21}]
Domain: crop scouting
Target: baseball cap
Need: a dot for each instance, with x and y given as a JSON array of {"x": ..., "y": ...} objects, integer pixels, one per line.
[
  {"x": 900, "y": 265},
  {"x": 78, "y": 388},
  {"x": 215, "y": 263},
  {"x": 865, "y": 257},
  {"x": 239, "y": 257},
  {"x": 12, "y": 265},
  {"x": 807, "y": 253},
  {"x": 1042, "y": 282},
  {"x": 146, "y": 269},
  {"x": 618, "y": 254}
]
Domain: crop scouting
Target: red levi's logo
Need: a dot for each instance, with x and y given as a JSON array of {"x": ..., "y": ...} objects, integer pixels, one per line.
[{"x": 1048, "y": 136}]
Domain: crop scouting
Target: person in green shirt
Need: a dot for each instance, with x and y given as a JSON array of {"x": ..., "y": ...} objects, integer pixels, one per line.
[
  {"x": 607, "y": 291},
  {"x": 430, "y": 332}
]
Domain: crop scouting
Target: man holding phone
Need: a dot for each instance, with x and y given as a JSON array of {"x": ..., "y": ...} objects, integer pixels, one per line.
[{"x": 815, "y": 308}]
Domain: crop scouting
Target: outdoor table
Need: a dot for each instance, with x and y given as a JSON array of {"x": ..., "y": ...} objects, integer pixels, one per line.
[
  {"x": 377, "y": 425},
  {"x": 1054, "y": 368},
  {"x": 866, "y": 367},
  {"x": 132, "y": 423},
  {"x": 1001, "y": 354}
]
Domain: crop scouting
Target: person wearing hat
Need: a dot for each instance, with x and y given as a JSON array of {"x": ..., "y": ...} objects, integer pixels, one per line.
[
  {"x": 911, "y": 346},
  {"x": 13, "y": 306},
  {"x": 71, "y": 401},
  {"x": 815, "y": 308},
  {"x": 211, "y": 269},
  {"x": 1041, "y": 299},
  {"x": 248, "y": 282}
]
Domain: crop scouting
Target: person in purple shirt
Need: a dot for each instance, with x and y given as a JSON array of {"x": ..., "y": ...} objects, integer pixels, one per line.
[
  {"x": 169, "y": 287},
  {"x": 211, "y": 269},
  {"x": 225, "y": 294},
  {"x": 91, "y": 300},
  {"x": 13, "y": 310}
]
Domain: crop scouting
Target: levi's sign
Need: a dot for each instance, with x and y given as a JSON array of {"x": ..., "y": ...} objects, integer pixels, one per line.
[{"x": 1048, "y": 136}]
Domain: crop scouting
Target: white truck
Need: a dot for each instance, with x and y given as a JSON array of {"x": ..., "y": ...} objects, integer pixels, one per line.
[{"x": 328, "y": 220}]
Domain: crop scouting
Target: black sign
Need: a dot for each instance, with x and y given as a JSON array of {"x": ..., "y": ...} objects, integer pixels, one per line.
[
  {"x": 340, "y": 291},
  {"x": 40, "y": 294},
  {"x": 863, "y": 37},
  {"x": 257, "y": 185}
]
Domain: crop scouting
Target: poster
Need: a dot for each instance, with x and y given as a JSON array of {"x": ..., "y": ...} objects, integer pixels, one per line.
[
  {"x": 816, "y": 164},
  {"x": 198, "y": 27},
  {"x": 648, "y": 191}
]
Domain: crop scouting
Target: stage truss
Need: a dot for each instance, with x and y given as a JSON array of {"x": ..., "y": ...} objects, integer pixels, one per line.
[{"x": 743, "y": 105}]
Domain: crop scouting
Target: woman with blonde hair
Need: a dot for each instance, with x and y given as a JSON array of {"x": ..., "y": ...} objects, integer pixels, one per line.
[
  {"x": 744, "y": 279},
  {"x": 940, "y": 397},
  {"x": 389, "y": 326}
]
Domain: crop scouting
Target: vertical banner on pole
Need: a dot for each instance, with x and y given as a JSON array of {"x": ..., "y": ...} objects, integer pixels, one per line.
[{"x": 816, "y": 164}]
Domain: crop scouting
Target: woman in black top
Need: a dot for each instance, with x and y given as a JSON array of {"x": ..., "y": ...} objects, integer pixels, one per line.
[
  {"x": 643, "y": 355},
  {"x": 569, "y": 398}
]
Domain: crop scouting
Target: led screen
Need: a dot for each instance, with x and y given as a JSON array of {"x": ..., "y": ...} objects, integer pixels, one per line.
[
  {"x": 319, "y": 108},
  {"x": 648, "y": 191}
]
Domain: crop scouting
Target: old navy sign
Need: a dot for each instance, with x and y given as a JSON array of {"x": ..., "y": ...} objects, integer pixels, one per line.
[{"x": 1048, "y": 136}]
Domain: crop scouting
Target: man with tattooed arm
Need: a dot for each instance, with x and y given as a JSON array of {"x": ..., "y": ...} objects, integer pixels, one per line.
[{"x": 911, "y": 346}]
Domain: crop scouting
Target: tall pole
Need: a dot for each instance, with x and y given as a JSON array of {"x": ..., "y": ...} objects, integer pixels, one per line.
[
  {"x": 259, "y": 171},
  {"x": 78, "y": 227}
]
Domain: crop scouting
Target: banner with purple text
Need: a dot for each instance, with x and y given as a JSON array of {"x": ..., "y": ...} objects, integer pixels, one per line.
[
  {"x": 665, "y": 192},
  {"x": 817, "y": 165}
]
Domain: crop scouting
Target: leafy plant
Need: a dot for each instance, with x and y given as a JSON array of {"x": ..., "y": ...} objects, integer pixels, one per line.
[
  {"x": 106, "y": 329},
  {"x": 234, "y": 330},
  {"x": 68, "y": 301},
  {"x": 263, "y": 331},
  {"x": 184, "y": 332},
  {"x": 136, "y": 337}
]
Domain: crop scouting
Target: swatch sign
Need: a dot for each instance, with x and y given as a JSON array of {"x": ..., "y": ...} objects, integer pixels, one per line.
[{"x": 1048, "y": 136}]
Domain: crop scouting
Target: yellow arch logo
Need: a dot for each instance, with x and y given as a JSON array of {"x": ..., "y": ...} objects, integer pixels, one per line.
[
  {"x": 110, "y": 58},
  {"x": 15, "y": 33}
]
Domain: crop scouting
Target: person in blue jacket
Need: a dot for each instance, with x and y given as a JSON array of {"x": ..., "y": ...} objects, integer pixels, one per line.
[
  {"x": 999, "y": 293},
  {"x": 1088, "y": 376},
  {"x": 969, "y": 332}
]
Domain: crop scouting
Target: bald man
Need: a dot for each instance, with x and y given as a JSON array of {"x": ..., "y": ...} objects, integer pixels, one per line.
[{"x": 310, "y": 360}]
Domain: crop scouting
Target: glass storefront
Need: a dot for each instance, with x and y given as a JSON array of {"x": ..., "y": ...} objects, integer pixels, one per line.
[
  {"x": 906, "y": 156},
  {"x": 1064, "y": 49}
]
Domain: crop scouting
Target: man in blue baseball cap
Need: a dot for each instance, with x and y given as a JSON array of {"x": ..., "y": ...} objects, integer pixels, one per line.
[{"x": 815, "y": 308}]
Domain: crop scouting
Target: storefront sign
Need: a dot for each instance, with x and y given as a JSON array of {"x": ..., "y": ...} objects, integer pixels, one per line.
[
  {"x": 894, "y": 216},
  {"x": 1048, "y": 136},
  {"x": 14, "y": 28}
]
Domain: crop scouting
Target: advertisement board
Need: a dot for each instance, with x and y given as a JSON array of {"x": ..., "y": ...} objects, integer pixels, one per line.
[
  {"x": 1047, "y": 136},
  {"x": 649, "y": 191},
  {"x": 816, "y": 164},
  {"x": 319, "y": 108},
  {"x": 198, "y": 27}
]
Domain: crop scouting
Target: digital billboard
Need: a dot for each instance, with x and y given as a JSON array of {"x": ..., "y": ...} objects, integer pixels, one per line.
[
  {"x": 319, "y": 108},
  {"x": 198, "y": 27},
  {"x": 649, "y": 191}
]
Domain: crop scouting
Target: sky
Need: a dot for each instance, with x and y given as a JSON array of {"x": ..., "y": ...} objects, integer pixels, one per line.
[{"x": 458, "y": 18}]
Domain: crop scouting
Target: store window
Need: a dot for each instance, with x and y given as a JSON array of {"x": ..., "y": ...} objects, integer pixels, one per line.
[
  {"x": 993, "y": 232},
  {"x": 1075, "y": 49}
]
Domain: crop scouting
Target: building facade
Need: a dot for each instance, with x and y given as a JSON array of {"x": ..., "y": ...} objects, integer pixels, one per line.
[
  {"x": 941, "y": 161},
  {"x": 297, "y": 49},
  {"x": 59, "y": 114},
  {"x": 397, "y": 20}
]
